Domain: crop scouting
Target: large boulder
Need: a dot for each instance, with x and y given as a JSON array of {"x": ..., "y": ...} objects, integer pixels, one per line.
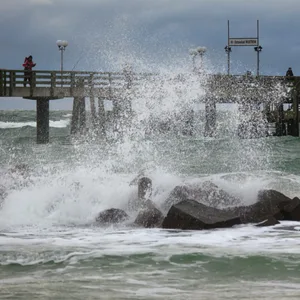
[
  {"x": 208, "y": 193},
  {"x": 149, "y": 216},
  {"x": 111, "y": 216},
  {"x": 190, "y": 214},
  {"x": 269, "y": 203},
  {"x": 291, "y": 211}
]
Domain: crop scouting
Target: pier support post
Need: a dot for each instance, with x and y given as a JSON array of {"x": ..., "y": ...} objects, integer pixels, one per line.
[
  {"x": 101, "y": 116},
  {"x": 75, "y": 116},
  {"x": 78, "y": 123},
  {"x": 295, "y": 131},
  {"x": 42, "y": 120},
  {"x": 210, "y": 117},
  {"x": 280, "y": 128},
  {"x": 82, "y": 115},
  {"x": 93, "y": 111},
  {"x": 116, "y": 115}
]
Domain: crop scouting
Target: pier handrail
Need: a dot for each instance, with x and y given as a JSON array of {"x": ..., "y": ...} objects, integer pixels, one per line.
[{"x": 11, "y": 80}]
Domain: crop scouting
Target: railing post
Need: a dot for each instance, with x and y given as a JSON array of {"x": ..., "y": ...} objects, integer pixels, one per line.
[
  {"x": 110, "y": 85},
  {"x": 92, "y": 100},
  {"x": 296, "y": 95},
  {"x": 128, "y": 76},
  {"x": 34, "y": 79},
  {"x": 1, "y": 83},
  {"x": 31, "y": 83},
  {"x": 53, "y": 79},
  {"x": 91, "y": 84},
  {"x": 72, "y": 84},
  {"x": 4, "y": 83},
  {"x": 11, "y": 82}
]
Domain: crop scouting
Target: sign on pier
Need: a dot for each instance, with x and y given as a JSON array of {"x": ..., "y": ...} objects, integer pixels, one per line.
[{"x": 243, "y": 41}]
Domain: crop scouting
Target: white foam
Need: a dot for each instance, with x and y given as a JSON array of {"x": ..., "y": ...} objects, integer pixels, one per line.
[
  {"x": 55, "y": 124},
  {"x": 67, "y": 115}
]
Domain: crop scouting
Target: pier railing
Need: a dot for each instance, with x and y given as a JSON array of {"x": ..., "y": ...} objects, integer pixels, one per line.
[
  {"x": 57, "y": 84},
  {"x": 15, "y": 79}
]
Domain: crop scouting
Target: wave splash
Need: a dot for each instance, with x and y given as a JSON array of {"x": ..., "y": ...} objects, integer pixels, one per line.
[{"x": 94, "y": 174}]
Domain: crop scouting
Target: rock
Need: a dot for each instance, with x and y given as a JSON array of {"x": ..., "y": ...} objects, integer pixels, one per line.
[
  {"x": 273, "y": 197},
  {"x": 190, "y": 214},
  {"x": 291, "y": 211},
  {"x": 135, "y": 180},
  {"x": 149, "y": 216},
  {"x": 112, "y": 216},
  {"x": 270, "y": 203},
  {"x": 270, "y": 221},
  {"x": 208, "y": 193}
]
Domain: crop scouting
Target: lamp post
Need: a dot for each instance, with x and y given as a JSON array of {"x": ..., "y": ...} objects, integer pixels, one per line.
[
  {"x": 228, "y": 51},
  {"x": 194, "y": 53},
  {"x": 62, "y": 47},
  {"x": 258, "y": 49}
]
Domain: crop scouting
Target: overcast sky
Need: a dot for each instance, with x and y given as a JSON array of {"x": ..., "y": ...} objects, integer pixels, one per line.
[{"x": 151, "y": 34}]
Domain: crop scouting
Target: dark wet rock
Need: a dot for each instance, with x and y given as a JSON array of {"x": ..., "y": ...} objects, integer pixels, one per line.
[
  {"x": 270, "y": 221},
  {"x": 269, "y": 203},
  {"x": 274, "y": 197},
  {"x": 208, "y": 193},
  {"x": 111, "y": 216},
  {"x": 136, "y": 179},
  {"x": 291, "y": 211},
  {"x": 149, "y": 216},
  {"x": 192, "y": 215}
]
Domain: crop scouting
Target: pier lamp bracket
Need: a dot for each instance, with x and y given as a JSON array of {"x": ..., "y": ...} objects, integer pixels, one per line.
[
  {"x": 258, "y": 49},
  {"x": 228, "y": 49}
]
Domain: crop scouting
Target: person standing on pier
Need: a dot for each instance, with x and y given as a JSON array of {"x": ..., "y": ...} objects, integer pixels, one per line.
[
  {"x": 289, "y": 72},
  {"x": 28, "y": 65}
]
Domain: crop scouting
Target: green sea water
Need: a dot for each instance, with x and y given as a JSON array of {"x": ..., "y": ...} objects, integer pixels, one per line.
[{"x": 50, "y": 247}]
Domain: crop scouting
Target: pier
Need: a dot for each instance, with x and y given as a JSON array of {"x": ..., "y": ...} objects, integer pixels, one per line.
[{"x": 119, "y": 87}]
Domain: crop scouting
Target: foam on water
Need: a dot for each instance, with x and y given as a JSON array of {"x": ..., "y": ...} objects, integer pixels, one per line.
[
  {"x": 74, "y": 246},
  {"x": 55, "y": 124}
]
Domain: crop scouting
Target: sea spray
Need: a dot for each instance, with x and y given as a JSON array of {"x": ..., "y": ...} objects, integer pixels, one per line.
[{"x": 70, "y": 182}]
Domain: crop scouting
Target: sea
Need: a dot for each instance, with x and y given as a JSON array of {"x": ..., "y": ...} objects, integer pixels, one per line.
[{"x": 51, "y": 247}]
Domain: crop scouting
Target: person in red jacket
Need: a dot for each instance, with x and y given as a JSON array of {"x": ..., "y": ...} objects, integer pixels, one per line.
[{"x": 28, "y": 65}]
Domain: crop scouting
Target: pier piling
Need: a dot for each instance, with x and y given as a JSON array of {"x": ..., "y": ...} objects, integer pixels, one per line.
[
  {"x": 101, "y": 116},
  {"x": 42, "y": 120},
  {"x": 210, "y": 117},
  {"x": 93, "y": 111}
]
